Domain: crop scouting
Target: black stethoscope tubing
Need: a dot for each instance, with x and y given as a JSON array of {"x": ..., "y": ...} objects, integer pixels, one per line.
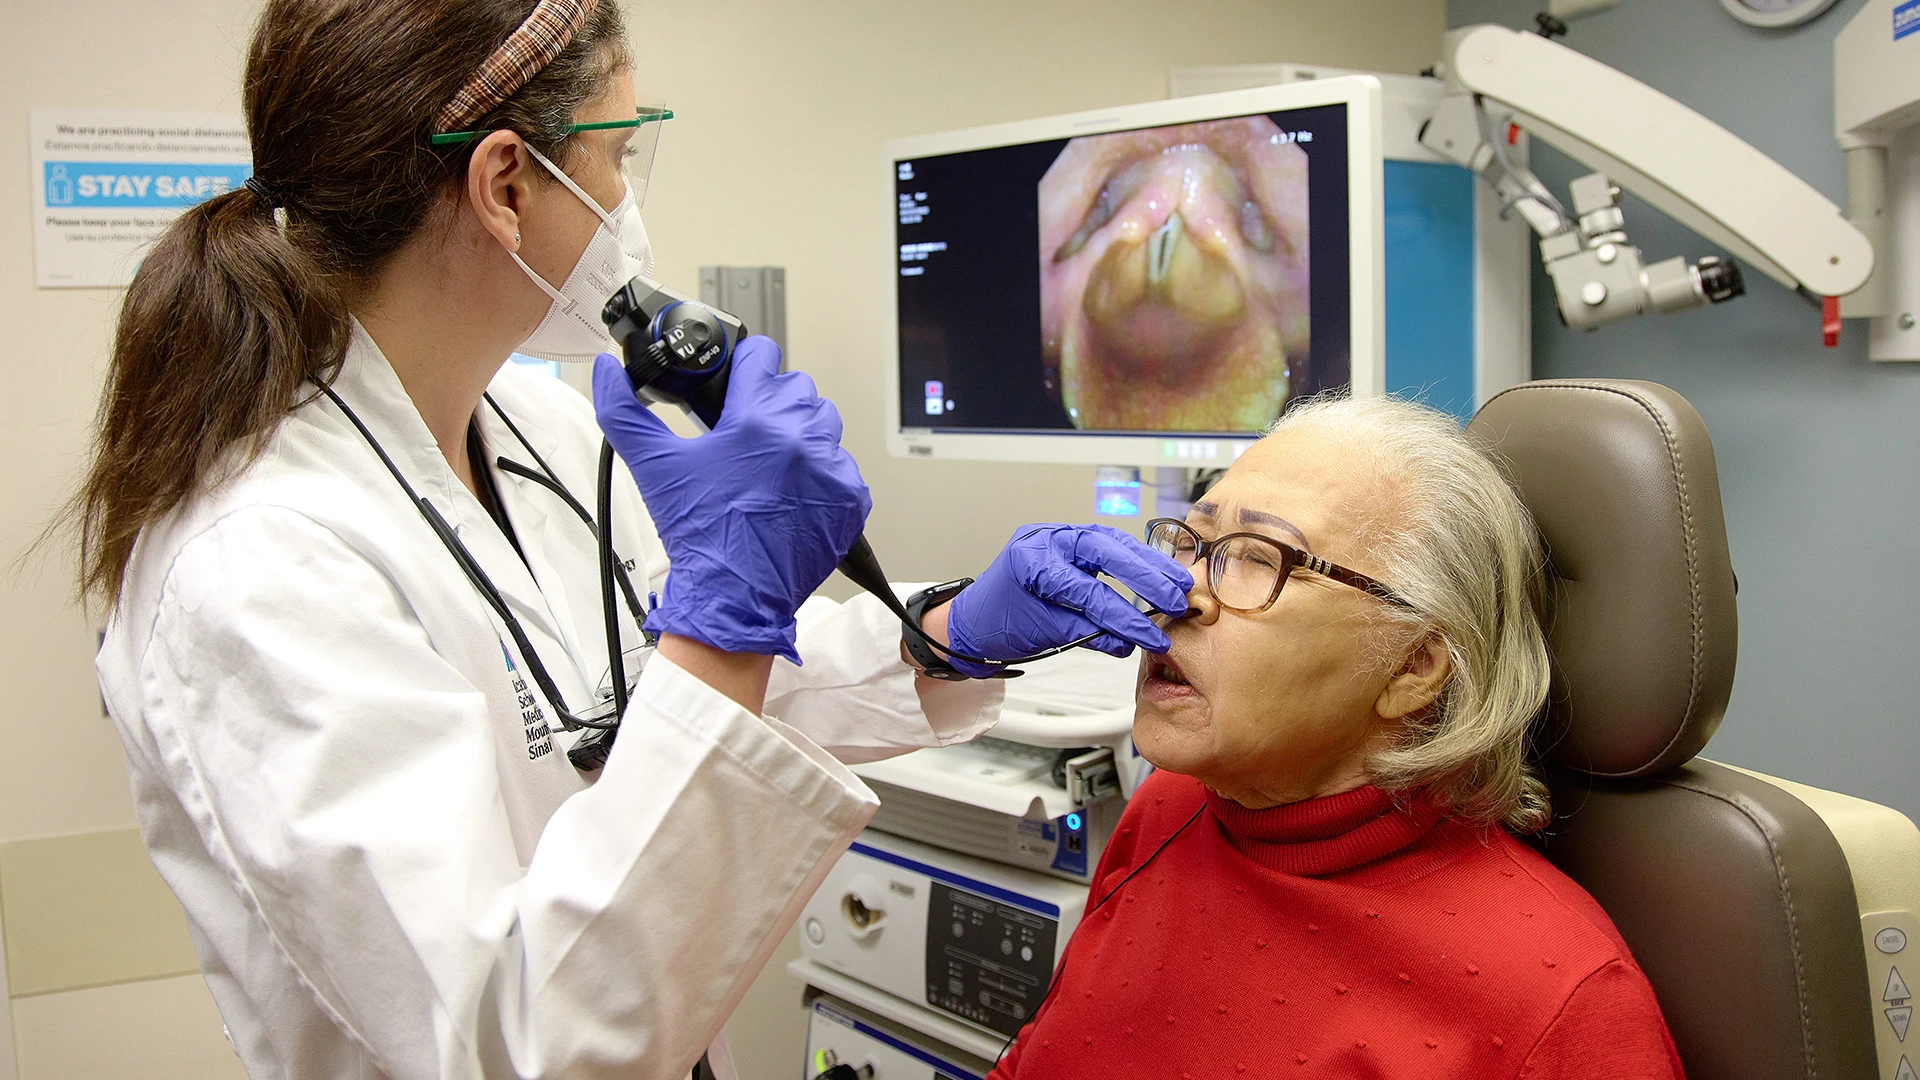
[
  {"x": 547, "y": 479},
  {"x": 611, "y": 568}
]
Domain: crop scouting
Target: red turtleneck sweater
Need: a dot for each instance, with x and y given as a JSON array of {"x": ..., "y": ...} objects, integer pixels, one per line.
[{"x": 1337, "y": 937}]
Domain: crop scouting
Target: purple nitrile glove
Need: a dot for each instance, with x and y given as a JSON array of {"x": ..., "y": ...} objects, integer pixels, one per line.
[
  {"x": 754, "y": 514},
  {"x": 1041, "y": 592}
]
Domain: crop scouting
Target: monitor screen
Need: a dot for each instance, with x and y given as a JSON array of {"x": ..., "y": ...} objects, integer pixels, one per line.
[{"x": 1178, "y": 279}]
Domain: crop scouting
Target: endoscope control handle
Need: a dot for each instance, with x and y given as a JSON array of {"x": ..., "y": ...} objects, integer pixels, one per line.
[
  {"x": 700, "y": 397},
  {"x": 680, "y": 352}
]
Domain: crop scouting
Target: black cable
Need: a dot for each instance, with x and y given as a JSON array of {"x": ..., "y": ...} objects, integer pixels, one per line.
[
  {"x": 475, "y": 575},
  {"x": 511, "y": 426},
  {"x": 478, "y": 578},
  {"x": 860, "y": 565},
  {"x": 590, "y": 751},
  {"x": 634, "y": 606},
  {"x": 550, "y": 480},
  {"x": 1111, "y": 893},
  {"x": 907, "y": 622},
  {"x": 616, "y": 662},
  {"x": 862, "y": 568},
  {"x": 886, "y": 596}
]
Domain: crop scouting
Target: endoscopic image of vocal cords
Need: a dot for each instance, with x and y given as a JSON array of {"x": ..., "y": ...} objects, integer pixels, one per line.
[{"x": 1173, "y": 276}]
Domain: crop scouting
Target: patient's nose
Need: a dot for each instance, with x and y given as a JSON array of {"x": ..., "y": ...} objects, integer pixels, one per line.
[{"x": 1201, "y": 606}]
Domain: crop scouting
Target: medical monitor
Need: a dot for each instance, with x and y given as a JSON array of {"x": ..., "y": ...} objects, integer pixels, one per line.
[{"x": 1149, "y": 285}]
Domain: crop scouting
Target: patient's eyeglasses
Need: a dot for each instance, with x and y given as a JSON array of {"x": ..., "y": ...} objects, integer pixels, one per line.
[{"x": 1245, "y": 571}]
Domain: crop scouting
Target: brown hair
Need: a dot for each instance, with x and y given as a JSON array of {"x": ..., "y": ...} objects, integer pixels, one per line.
[{"x": 238, "y": 306}]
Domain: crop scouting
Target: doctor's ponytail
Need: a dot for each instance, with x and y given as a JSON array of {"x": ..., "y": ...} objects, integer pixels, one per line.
[
  {"x": 221, "y": 284},
  {"x": 244, "y": 302}
]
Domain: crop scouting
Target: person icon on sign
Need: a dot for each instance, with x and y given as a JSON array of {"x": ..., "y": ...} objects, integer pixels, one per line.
[{"x": 59, "y": 188}]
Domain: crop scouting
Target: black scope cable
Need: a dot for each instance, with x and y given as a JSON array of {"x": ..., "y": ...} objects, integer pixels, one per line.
[
  {"x": 1111, "y": 893},
  {"x": 591, "y": 750},
  {"x": 545, "y": 477},
  {"x": 862, "y": 568}
]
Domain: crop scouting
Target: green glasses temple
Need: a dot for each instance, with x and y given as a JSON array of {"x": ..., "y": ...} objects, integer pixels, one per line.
[{"x": 641, "y": 116}]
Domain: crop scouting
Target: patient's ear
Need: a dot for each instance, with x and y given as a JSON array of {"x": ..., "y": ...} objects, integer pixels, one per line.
[{"x": 1419, "y": 681}]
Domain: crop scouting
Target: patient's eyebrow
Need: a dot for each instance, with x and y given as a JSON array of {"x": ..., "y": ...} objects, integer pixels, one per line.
[{"x": 1261, "y": 517}]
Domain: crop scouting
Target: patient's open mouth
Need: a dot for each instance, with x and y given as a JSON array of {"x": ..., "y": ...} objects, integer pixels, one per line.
[{"x": 1165, "y": 681}]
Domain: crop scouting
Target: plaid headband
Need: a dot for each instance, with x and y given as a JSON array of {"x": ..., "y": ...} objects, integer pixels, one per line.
[{"x": 533, "y": 46}]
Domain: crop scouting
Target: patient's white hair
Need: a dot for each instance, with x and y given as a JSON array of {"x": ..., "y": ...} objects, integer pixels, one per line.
[{"x": 1449, "y": 534}]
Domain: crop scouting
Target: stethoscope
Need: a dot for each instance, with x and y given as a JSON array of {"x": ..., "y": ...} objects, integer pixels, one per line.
[{"x": 590, "y": 751}]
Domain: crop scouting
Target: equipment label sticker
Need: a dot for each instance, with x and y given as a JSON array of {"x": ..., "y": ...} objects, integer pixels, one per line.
[
  {"x": 106, "y": 185},
  {"x": 1906, "y": 19}
]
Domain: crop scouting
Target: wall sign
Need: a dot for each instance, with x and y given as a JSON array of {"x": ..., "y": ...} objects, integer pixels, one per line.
[{"x": 105, "y": 184}]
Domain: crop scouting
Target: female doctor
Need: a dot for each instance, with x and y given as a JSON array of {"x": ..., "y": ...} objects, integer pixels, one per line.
[{"x": 353, "y": 597}]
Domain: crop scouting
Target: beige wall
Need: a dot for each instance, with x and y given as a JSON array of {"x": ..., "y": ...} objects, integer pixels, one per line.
[{"x": 774, "y": 158}]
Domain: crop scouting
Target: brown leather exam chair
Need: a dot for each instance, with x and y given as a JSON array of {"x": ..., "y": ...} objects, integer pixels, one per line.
[{"x": 1776, "y": 921}]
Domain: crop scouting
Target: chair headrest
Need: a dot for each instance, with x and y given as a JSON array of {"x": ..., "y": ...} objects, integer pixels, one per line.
[{"x": 1620, "y": 479}]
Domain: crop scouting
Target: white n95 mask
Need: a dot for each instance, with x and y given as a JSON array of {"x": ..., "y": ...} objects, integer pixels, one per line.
[{"x": 618, "y": 252}]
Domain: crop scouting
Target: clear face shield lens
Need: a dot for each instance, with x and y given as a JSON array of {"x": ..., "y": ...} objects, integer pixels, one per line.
[{"x": 637, "y": 159}]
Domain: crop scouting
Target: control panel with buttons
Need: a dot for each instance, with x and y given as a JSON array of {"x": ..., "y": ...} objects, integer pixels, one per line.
[
  {"x": 995, "y": 962},
  {"x": 1893, "y": 972},
  {"x": 963, "y": 937}
]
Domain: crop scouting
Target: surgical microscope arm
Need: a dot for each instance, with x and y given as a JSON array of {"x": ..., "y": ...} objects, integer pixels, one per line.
[{"x": 1500, "y": 81}]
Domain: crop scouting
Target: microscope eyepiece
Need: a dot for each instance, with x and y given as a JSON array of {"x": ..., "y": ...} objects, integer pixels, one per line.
[{"x": 1720, "y": 279}]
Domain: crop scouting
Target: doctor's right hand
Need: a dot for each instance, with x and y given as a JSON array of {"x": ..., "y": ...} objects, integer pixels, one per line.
[
  {"x": 754, "y": 514},
  {"x": 1041, "y": 592}
]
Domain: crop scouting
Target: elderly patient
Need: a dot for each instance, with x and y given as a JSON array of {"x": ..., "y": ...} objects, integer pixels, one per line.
[{"x": 1321, "y": 880}]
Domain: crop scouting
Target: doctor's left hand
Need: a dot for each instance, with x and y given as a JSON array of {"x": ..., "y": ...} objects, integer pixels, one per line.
[
  {"x": 1041, "y": 592},
  {"x": 754, "y": 514}
]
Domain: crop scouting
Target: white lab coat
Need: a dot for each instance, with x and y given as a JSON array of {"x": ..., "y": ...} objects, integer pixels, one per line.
[{"x": 389, "y": 868}]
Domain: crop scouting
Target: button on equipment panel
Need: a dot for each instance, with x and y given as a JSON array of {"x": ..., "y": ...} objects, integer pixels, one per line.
[
  {"x": 1901, "y": 1018},
  {"x": 1892, "y": 971}
]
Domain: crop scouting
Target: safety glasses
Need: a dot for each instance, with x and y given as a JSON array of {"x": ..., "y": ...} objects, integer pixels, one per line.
[
  {"x": 636, "y": 157},
  {"x": 1246, "y": 571}
]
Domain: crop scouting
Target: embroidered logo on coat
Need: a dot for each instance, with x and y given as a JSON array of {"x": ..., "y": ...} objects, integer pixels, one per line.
[{"x": 532, "y": 718}]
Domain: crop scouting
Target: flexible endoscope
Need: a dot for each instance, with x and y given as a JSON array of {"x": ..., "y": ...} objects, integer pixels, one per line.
[{"x": 679, "y": 351}]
